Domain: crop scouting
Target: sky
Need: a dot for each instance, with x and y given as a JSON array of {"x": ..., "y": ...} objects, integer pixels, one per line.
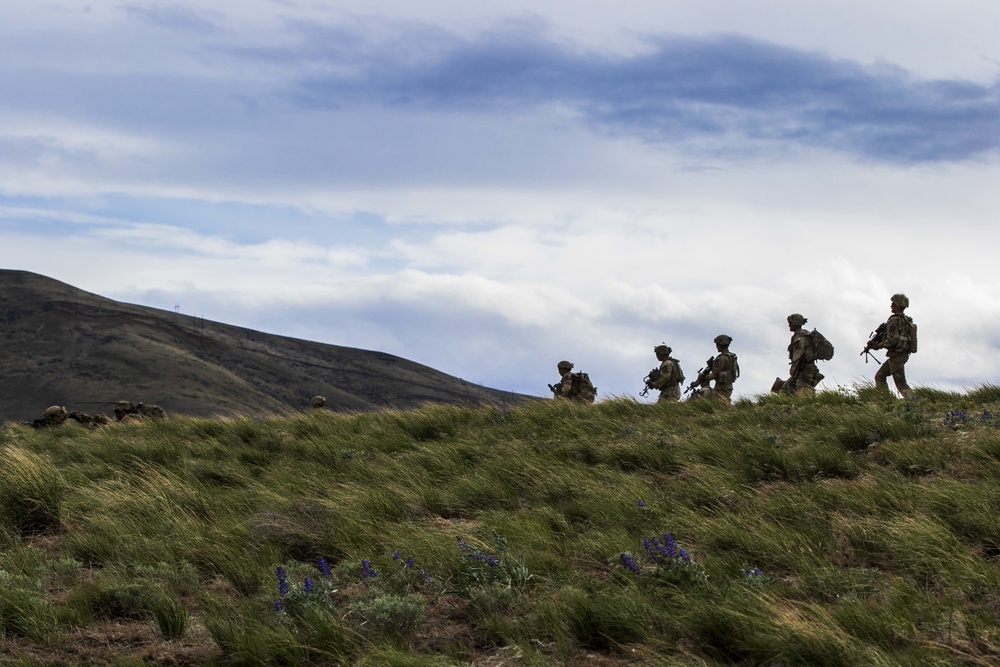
[{"x": 488, "y": 188}]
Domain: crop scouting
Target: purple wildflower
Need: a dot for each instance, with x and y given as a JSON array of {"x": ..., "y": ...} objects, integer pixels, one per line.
[
  {"x": 642, "y": 503},
  {"x": 307, "y": 585},
  {"x": 367, "y": 571},
  {"x": 282, "y": 581},
  {"x": 395, "y": 554},
  {"x": 279, "y": 605},
  {"x": 324, "y": 567},
  {"x": 630, "y": 563},
  {"x": 669, "y": 546},
  {"x": 408, "y": 562}
]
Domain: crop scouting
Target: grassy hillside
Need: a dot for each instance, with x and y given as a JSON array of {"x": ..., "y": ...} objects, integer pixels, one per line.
[
  {"x": 845, "y": 529},
  {"x": 63, "y": 346}
]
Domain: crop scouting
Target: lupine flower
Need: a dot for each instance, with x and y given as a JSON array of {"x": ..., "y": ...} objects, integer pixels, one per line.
[
  {"x": 630, "y": 563},
  {"x": 395, "y": 555},
  {"x": 463, "y": 545},
  {"x": 424, "y": 575},
  {"x": 307, "y": 585},
  {"x": 282, "y": 581},
  {"x": 955, "y": 417},
  {"x": 408, "y": 562},
  {"x": 324, "y": 567},
  {"x": 367, "y": 571},
  {"x": 756, "y": 572},
  {"x": 669, "y": 546},
  {"x": 684, "y": 555},
  {"x": 279, "y": 605},
  {"x": 641, "y": 503},
  {"x": 492, "y": 561}
]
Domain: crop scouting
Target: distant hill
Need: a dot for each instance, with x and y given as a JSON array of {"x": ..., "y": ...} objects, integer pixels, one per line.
[{"x": 64, "y": 346}]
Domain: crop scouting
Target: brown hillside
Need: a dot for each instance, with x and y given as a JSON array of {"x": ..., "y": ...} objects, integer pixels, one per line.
[{"x": 64, "y": 346}]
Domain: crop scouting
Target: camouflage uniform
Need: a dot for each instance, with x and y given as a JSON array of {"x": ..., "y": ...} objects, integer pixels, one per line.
[
  {"x": 724, "y": 370},
  {"x": 561, "y": 389},
  {"x": 585, "y": 391},
  {"x": 897, "y": 345},
  {"x": 667, "y": 384},
  {"x": 802, "y": 371}
]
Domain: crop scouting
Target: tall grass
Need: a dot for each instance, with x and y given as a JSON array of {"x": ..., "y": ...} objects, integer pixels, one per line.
[{"x": 845, "y": 528}]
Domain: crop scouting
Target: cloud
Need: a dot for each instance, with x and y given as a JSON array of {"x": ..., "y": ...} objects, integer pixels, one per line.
[
  {"x": 684, "y": 91},
  {"x": 175, "y": 17}
]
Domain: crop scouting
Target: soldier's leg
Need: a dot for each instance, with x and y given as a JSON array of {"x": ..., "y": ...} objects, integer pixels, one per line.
[
  {"x": 898, "y": 370},
  {"x": 670, "y": 394},
  {"x": 882, "y": 375},
  {"x": 725, "y": 395}
]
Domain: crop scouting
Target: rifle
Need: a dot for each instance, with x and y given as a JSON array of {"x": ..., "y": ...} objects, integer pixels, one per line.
[
  {"x": 698, "y": 381},
  {"x": 651, "y": 376},
  {"x": 875, "y": 341},
  {"x": 554, "y": 389}
]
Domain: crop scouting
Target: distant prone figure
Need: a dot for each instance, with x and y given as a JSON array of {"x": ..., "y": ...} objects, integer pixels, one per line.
[
  {"x": 573, "y": 386},
  {"x": 126, "y": 411},
  {"x": 54, "y": 415}
]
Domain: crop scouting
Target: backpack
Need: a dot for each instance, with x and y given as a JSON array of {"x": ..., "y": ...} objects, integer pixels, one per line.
[
  {"x": 678, "y": 375},
  {"x": 735, "y": 372},
  {"x": 821, "y": 346},
  {"x": 581, "y": 388},
  {"x": 913, "y": 335}
]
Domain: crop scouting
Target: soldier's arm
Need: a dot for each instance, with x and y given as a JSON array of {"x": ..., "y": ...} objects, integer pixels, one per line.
[
  {"x": 891, "y": 333},
  {"x": 665, "y": 372},
  {"x": 720, "y": 365}
]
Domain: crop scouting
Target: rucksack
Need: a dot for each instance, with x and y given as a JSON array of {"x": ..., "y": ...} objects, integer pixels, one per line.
[
  {"x": 913, "y": 335},
  {"x": 821, "y": 346},
  {"x": 678, "y": 375},
  {"x": 581, "y": 388}
]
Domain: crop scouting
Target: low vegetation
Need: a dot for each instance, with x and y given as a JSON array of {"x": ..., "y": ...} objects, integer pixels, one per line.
[{"x": 847, "y": 528}]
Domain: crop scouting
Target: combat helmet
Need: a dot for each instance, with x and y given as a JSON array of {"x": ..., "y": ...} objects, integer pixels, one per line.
[
  {"x": 662, "y": 348},
  {"x": 568, "y": 365},
  {"x": 796, "y": 319},
  {"x": 723, "y": 339},
  {"x": 901, "y": 301}
]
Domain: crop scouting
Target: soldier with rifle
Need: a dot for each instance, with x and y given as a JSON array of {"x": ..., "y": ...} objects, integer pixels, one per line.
[
  {"x": 573, "y": 386},
  {"x": 699, "y": 387},
  {"x": 803, "y": 351},
  {"x": 723, "y": 368},
  {"x": 667, "y": 377},
  {"x": 898, "y": 337}
]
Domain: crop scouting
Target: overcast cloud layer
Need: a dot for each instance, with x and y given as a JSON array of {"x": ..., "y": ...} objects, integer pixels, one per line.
[{"x": 489, "y": 189}]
